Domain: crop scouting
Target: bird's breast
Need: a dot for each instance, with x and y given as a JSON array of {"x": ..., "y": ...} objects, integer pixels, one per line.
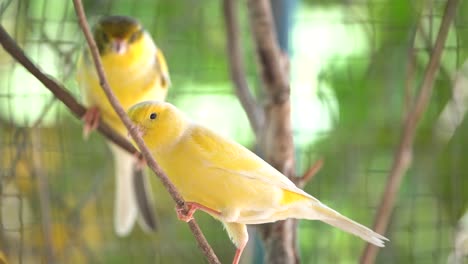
[{"x": 136, "y": 82}]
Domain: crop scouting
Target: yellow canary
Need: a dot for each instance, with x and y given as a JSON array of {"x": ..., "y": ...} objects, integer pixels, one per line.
[
  {"x": 136, "y": 71},
  {"x": 227, "y": 180}
]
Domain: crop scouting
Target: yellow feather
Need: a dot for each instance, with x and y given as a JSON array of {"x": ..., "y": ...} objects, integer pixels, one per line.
[
  {"x": 132, "y": 77},
  {"x": 292, "y": 197},
  {"x": 224, "y": 176},
  {"x": 136, "y": 70}
]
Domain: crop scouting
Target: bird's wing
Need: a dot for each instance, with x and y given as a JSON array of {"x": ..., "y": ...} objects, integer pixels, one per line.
[
  {"x": 163, "y": 70},
  {"x": 226, "y": 155}
]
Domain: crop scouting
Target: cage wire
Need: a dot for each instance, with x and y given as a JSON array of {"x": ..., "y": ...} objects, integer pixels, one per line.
[{"x": 56, "y": 191}]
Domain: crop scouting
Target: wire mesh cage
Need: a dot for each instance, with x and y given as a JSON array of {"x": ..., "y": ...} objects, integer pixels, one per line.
[{"x": 356, "y": 69}]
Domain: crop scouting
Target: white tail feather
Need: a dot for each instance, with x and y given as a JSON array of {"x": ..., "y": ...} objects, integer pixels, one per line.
[
  {"x": 332, "y": 217},
  {"x": 125, "y": 207}
]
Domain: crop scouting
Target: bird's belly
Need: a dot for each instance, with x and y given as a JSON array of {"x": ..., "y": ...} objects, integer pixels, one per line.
[{"x": 238, "y": 198}]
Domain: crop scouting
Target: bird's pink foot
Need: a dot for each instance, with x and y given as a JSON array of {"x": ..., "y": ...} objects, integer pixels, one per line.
[
  {"x": 91, "y": 120},
  {"x": 185, "y": 216},
  {"x": 191, "y": 208}
]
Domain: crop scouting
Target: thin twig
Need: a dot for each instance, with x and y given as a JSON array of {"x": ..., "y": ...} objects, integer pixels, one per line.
[
  {"x": 202, "y": 243},
  {"x": 428, "y": 47},
  {"x": 403, "y": 154},
  {"x": 310, "y": 173},
  {"x": 236, "y": 67},
  {"x": 58, "y": 91},
  {"x": 412, "y": 64},
  {"x": 78, "y": 110}
]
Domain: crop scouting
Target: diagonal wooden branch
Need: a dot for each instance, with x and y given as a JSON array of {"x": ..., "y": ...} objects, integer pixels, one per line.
[
  {"x": 309, "y": 174},
  {"x": 236, "y": 67},
  {"x": 202, "y": 243},
  {"x": 404, "y": 152},
  {"x": 58, "y": 91},
  {"x": 428, "y": 48},
  {"x": 78, "y": 110}
]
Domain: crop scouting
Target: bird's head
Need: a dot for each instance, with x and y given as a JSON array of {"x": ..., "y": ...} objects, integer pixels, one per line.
[
  {"x": 115, "y": 34},
  {"x": 159, "y": 123}
]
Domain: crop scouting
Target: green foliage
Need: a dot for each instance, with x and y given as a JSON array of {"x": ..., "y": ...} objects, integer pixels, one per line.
[
  {"x": 449, "y": 181},
  {"x": 359, "y": 151}
]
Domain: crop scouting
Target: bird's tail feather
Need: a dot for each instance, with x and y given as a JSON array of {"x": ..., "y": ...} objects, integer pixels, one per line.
[
  {"x": 132, "y": 194},
  {"x": 332, "y": 217},
  {"x": 125, "y": 207},
  {"x": 144, "y": 199}
]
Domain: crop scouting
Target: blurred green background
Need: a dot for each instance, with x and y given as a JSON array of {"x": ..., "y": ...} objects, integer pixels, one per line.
[{"x": 349, "y": 72}]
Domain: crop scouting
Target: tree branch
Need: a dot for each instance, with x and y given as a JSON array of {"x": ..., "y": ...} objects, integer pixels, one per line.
[
  {"x": 276, "y": 135},
  {"x": 78, "y": 110},
  {"x": 309, "y": 174},
  {"x": 236, "y": 67},
  {"x": 202, "y": 243},
  {"x": 58, "y": 91},
  {"x": 403, "y": 155},
  {"x": 278, "y": 144},
  {"x": 428, "y": 47}
]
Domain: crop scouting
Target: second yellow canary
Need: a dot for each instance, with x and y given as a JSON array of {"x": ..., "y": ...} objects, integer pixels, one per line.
[{"x": 136, "y": 71}]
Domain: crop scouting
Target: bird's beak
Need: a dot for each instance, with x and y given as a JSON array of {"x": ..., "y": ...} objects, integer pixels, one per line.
[{"x": 119, "y": 46}]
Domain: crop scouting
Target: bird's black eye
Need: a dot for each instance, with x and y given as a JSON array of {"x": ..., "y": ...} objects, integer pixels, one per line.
[
  {"x": 153, "y": 116},
  {"x": 135, "y": 36}
]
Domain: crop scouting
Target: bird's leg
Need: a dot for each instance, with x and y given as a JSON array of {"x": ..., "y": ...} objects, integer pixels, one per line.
[
  {"x": 140, "y": 161},
  {"x": 239, "y": 236},
  {"x": 91, "y": 120},
  {"x": 238, "y": 254},
  {"x": 192, "y": 207}
]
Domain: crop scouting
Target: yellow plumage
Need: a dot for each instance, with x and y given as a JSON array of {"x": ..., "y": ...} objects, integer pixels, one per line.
[
  {"x": 136, "y": 71},
  {"x": 227, "y": 180}
]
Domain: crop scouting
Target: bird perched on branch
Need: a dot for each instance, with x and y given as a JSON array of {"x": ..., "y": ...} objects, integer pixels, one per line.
[
  {"x": 136, "y": 71},
  {"x": 226, "y": 180}
]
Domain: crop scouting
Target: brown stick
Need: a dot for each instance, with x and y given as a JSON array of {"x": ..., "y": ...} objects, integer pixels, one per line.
[
  {"x": 276, "y": 135},
  {"x": 310, "y": 173},
  {"x": 202, "y": 243},
  {"x": 278, "y": 144},
  {"x": 78, "y": 110},
  {"x": 58, "y": 91},
  {"x": 428, "y": 47},
  {"x": 403, "y": 154},
  {"x": 236, "y": 67}
]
